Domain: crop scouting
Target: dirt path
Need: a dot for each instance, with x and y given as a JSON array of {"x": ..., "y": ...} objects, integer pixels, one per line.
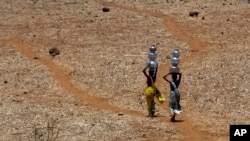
[
  {"x": 197, "y": 47},
  {"x": 64, "y": 81}
]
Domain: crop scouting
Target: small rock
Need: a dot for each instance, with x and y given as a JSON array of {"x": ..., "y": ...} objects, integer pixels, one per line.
[
  {"x": 105, "y": 9},
  {"x": 120, "y": 114},
  {"x": 193, "y": 14},
  {"x": 54, "y": 51},
  {"x": 212, "y": 76},
  {"x": 5, "y": 82}
]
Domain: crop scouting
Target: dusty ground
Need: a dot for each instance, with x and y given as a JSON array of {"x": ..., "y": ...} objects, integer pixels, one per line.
[{"x": 94, "y": 89}]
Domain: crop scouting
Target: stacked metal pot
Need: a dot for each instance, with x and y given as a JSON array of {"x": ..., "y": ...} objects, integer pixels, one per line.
[
  {"x": 175, "y": 60},
  {"x": 153, "y": 64}
]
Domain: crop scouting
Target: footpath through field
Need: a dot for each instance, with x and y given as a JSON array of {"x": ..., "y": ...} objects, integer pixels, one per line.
[
  {"x": 60, "y": 75},
  {"x": 186, "y": 125}
]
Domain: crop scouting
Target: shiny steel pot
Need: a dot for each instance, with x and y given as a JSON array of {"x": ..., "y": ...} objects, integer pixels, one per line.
[
  {"x": 152, "y": 48},
  {"x": 176, "y": 53},
  {"x": 174, "y": 69},
  {"x": 152, "y": 56},
  {"x": 175, "y": 60},
  {"x": 153, "y": 64}
]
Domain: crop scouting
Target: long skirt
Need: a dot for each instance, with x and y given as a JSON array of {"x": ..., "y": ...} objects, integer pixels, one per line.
[
  {"x": 150, "y": 103},
  {"x": 174, "y": 102}
]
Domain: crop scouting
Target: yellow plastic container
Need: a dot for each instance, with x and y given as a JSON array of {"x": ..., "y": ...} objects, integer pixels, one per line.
[{"x": 161, "y": 99}]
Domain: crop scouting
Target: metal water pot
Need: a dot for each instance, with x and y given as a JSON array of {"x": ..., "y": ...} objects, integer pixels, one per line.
[
  {"x": 152, "y": 56},
  {"x": 175, "y": 60},
  {"x": 176, "y": 53},
  {"x": 153, "y": 64},
  {"x": 174, "y": 69},
  {"x": 152, "y": 48}
]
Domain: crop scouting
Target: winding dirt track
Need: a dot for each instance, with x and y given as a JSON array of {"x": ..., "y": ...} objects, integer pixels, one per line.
[
  {"x": 196, "y": 45},
  {"x": 64, "y": 81}
]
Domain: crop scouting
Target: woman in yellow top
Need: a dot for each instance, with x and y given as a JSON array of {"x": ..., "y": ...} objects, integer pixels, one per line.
[{"x": 151, "y": 92}]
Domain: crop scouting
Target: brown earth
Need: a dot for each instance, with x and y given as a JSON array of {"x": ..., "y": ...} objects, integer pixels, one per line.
[{"x": 93, "y": 90}]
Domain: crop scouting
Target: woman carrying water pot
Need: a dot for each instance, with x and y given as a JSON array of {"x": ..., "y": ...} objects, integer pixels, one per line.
[
  {"x": 174, "y": 98},
  {"x": 150, "y": 93}
]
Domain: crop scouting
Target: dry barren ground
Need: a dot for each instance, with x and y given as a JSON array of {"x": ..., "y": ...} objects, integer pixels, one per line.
[{"x": 94, "y": 89}]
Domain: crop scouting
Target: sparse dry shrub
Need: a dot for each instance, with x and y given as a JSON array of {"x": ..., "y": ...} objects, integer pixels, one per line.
[{"x": 49, "y": 133}]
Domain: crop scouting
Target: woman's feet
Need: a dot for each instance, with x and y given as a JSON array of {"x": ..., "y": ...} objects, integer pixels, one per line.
[
  {"x": 173, "y": 118},
  {"x": 151, "y": 112}
]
